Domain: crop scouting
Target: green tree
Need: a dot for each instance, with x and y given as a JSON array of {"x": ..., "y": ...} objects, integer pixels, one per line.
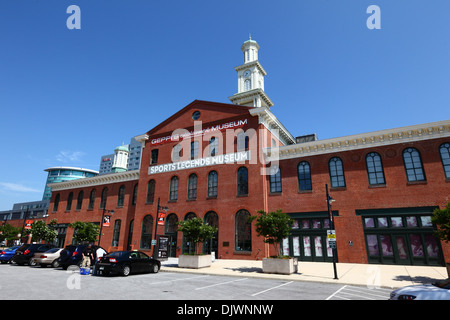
[
  {"x": 9, "y": 233},
  {"x": 274, "y": 227},
  {"x": 441, "y": 217},
  {"x": 41, "y": 231},
  {"x": 85, "y": 231},
  {"x": 194, "y": 230}
]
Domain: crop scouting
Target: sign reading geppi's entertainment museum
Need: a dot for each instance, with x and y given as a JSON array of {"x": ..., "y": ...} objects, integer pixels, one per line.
[{"x": 203, "y": 162}]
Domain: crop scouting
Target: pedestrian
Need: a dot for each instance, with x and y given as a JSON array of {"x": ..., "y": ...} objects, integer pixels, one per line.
[{"x": 88, "y": 256}]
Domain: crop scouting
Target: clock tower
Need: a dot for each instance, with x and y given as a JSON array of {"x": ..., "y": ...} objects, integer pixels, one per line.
[{"x": 251, "y": 79}]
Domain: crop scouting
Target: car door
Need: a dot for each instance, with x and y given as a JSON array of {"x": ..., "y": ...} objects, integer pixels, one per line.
[
  {"x": 145, "y": 262},
  {"x": 135, "y": 262}
]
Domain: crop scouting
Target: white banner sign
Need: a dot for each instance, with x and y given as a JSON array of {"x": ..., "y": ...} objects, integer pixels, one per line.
[{"x": 203, "y": 162}]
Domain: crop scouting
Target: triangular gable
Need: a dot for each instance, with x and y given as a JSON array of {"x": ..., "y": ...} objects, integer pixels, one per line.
[{"x": 210, "y": 112}]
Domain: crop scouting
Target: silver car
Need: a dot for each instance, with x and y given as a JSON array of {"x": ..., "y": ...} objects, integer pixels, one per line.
[
  {"x": 436, "y": 291},
  {"x": 47, "y": 258}
]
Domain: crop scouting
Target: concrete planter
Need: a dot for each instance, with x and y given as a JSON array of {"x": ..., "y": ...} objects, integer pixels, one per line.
[
  {"x": 194, "y": 262},
  {"x": 281, "y": 266}
]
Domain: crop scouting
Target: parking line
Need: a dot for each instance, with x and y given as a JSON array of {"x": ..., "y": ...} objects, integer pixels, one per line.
[
  {"x": 336, "y": 292},
  {"x": 218, "y": 284},
  {"x": 255, "y": 294},
  {"x": 178, "y": 279}
]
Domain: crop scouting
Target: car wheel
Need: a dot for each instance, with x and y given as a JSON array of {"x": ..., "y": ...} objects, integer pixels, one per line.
[
  {"x": 55, "y": 263},
  {"x": 32, "y": 262},
  {"x": 126, "y": 270},
  {"x": 155, "y": 268}
]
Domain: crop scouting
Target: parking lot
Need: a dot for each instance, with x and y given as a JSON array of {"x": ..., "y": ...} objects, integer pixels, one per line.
[{"x": 24, "y": 282}]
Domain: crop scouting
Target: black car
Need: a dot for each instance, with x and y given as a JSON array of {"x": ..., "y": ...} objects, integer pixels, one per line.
[
  {"x": 25, "y": 253},
  {"x": 73, "y": 255},
  {"x": 126, "y": 262}
]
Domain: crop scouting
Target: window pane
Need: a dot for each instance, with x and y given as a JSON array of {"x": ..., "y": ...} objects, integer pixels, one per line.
[
  {"x": 307, "y": 246},
  {"x": 304, "y": 176},
  {"x": 386, "y": 245},
  {"x": 397, "y": 222},
  {"x": 372, "y": 243},
  {"x": 243, "y": 231},
  {"x": 416, "y": 245},
  {"x": 413, "y": 165},
  {"x": 411, "y": 221},
  {"x": 336, "y": 173}
]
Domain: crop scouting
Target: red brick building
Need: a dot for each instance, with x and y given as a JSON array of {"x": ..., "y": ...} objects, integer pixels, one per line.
[
  {"x": 385, "y": 184},
  {"x": 224, "y": 162}
]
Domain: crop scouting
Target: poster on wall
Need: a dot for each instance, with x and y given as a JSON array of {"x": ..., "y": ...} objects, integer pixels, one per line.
[{"x": 106, "y": 220}]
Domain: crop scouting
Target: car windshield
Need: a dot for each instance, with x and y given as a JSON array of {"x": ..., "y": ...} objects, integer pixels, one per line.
[
  {"x": 444, "y": 284},
  {"x": 52, "y": 250}
]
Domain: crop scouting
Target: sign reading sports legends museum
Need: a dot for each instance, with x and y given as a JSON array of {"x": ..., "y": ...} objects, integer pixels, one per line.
[{"x": 237, "y": 157}]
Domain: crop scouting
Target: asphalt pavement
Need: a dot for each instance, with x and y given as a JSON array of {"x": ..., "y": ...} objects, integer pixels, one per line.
[{"x": 368, "y": 275}]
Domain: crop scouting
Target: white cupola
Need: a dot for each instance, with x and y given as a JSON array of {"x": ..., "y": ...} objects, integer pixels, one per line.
[{"x": 251, "y": 78}]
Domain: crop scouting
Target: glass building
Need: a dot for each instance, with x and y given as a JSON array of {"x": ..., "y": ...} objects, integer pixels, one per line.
[{"x": 61, "y": 174}]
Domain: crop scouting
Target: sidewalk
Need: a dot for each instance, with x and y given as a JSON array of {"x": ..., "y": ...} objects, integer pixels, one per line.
[{"x": 370, "y": 275}]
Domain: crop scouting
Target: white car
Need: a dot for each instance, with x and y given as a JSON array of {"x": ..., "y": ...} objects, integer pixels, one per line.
[
  {"x": 46, "y": 258},
  {"x": 436, "y": 291}
]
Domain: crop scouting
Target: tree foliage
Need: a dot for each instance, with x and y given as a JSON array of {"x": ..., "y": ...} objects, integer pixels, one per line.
[
  {"x": 9, "y": 233},
  {"x": 274, "y": 227},
  {"x": 196, "y": 231},
  {"x": 441, "y": 217},
  {"x": 41, "y": 231},
  {"x": 85, "y": 232}
]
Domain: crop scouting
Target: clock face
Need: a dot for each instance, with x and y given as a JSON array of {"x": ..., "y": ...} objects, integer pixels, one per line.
[{"x": 247, "y": 73}]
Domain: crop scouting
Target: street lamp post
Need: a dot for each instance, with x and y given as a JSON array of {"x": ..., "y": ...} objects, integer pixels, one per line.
[
  {"x": 101, "y": 223},
  {"x": 330, "y": 214},
  {"x": 155, "y": 254}
]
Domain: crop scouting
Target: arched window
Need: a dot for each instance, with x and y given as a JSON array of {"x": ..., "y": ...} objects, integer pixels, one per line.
[
  {"x": 146, "y": 234},
  {"x": 173, "y": 195},
  {"x": 104, "y": 198},
  {"x": 374, "y": 169},
  {"x": 188, "y": 247},
  {"x": 69, "y": 201},
  {"x": 213, "y": 146},
  {"x": 194, "y": 150},
  {"x": 444, "y": 150},
  {"x": 242, "y": 181},
  {"x": 336, "y": 172},
  {"x": 242, "y": 141},
  {"x": 135, "y": 190},
  {"x": 192, "y": 186},
  {"x": 92, "y": 199},
  {"x": 212, "y": 184},
  {"x": 171, "y": 223},
  {"x": 243, "y": 231},
  {"x": 247, "y": 84},
  {"x": 304, "y": 176},
  {"x": 80, "y": 200},
  {"x": 275, "y": 179},
  {"x": 413, "y": 165},
  {"x": 176, "y": 153},
  {"x": 56, "y": 203},
  {"x": 121, "y": 196},
  {"x": 116, "y": 233},
  {"x": 212, "y": 219},
  {"x": 150, "y": 191}
]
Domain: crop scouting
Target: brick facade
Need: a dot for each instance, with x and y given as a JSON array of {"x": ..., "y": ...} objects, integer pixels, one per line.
[{"x": 353, "y": 203}]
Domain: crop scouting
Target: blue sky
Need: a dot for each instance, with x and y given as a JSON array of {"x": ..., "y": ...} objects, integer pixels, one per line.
[{"x": 69, "y": 96}]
